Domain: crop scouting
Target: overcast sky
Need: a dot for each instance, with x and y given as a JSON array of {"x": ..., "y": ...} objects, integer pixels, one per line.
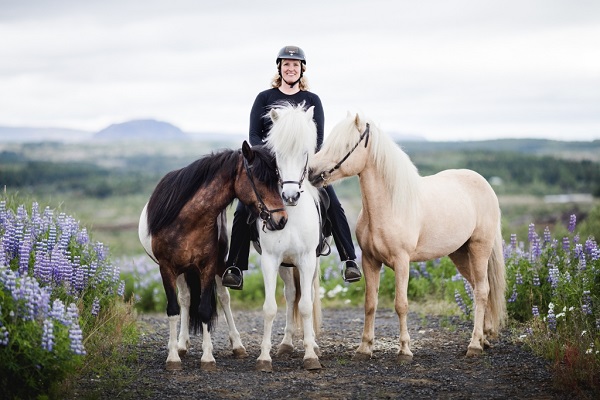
[{"x": 444, "y": 70}]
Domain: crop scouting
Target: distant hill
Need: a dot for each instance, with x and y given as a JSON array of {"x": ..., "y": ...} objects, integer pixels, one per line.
[{"x": 144, "y": 129}]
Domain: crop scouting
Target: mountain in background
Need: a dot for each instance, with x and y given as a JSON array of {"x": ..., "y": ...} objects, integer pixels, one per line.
[{"x": 143, "y": 129}]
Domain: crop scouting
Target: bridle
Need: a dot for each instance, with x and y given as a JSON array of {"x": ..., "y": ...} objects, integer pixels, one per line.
[
  {"x": 298, "y": 182},
  {"x": 263, "y": 211},
  {"x": 365, "y": 135}
]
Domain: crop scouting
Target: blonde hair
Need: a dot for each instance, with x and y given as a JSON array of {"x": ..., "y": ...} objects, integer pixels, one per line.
[{"x": 277, "y": 80}]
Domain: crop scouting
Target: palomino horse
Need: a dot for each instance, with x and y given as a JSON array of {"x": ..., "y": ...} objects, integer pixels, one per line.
[
  {"x": 293, "y": 139},
  {"x": 183, "y": 228},
  {"x": 407, "y": 217}
]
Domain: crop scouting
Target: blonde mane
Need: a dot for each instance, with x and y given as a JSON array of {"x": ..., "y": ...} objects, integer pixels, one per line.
[{"x": 399, "y": 173}]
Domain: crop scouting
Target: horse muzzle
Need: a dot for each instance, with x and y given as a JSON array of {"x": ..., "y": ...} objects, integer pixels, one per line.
[
  {"x": 318, "y": 179},
  {"x": 275, "y": 224}
]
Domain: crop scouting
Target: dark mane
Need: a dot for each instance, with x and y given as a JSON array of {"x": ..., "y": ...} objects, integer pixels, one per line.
[{"x": 177, "y": 187}]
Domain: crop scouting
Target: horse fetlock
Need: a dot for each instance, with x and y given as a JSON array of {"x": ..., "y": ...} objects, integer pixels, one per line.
[{"x": 474, "y": 351}]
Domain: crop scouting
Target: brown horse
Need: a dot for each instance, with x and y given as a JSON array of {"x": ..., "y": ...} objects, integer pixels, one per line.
[
  {"x": 183, "y": 228},
  {"x": 407, "y": 217}
]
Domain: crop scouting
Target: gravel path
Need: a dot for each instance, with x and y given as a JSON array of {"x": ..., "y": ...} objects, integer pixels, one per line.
[{"x": 439, "y": 369}]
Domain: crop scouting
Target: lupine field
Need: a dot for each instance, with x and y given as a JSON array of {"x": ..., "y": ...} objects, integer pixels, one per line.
[
  {"x": 56, "y": 289},
  {"x": 59, "y": 291}
]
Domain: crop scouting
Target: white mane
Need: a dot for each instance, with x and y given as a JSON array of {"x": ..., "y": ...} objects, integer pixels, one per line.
[{"x": 293, "y": 132}]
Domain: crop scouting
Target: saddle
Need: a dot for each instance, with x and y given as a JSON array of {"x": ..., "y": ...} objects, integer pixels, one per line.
[{"x": 325, "y": 228}]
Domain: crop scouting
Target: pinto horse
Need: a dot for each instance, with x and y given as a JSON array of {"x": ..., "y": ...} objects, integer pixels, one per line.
[
  {"x": 183, "y": 228},
  {"x": 406, "y": 217},
  {"x": 293, "y": 250}
]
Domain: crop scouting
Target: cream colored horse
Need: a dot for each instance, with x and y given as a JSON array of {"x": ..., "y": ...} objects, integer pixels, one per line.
[{"x": 407, "y": 217}]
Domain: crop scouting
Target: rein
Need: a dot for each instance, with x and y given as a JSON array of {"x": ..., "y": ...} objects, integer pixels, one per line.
[
  {"x": 365, "y": 135},
  {"x": 302, "y": 177},
  {"x": 264, "y": 213}
]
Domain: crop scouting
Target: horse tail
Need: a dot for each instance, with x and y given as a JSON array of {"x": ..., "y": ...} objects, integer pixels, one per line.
[
  {"x": 203, "y": 303},
  {"x": 316, "y": 312},
  {"x": 497, "y": 282}
]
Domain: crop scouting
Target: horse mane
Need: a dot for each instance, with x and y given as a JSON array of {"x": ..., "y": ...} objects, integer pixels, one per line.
[
  {"x": 177, "y": 187},
  {"x": 400, "y": 175},
  {"x": 292, "y": 133}
]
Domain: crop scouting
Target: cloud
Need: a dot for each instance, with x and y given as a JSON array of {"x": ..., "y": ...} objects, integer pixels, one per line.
[{"x": 441, "y": 69}]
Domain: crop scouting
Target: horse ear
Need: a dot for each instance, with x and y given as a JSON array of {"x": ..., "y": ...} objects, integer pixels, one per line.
[
  {"x": 247, "y": 152},
  {"x": 310, "y": 112},
  {"x": 273, "y": 114},
  {"x": 357, "y": 122}
]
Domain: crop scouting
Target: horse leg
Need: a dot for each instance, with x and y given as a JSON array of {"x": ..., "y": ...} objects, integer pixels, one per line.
[
  {"x": 371, "y": 270},
  {"x": 207, "y": 362},
  {"x": 169, "y": 278},
  {"x": 183, "y": 295},
  {"x": 474, "y": 269},
  {"x": 305, "y": 307},
  {"x": 269, "y": 268},
  {"x": 401, "y": 305},
  {"x": 286, "y": 347},
  {"x": 239, "y": 351}
]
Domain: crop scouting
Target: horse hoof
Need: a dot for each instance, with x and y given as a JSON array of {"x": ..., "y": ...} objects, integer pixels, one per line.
[
  {"x": 182, "y": 352},
  {"x": 487, "y": 344},
  {"x": 404, "y": 358},
  {"x": 264, "y": 366},
  {"x": 285, "y": 350},
  {"x": 312, "y": 364},
  {"x": 474, "y": 351},
  {"x": 361, "y": 357},
  {"x": 240, "y": 353},
  {"x": 208, "y": 366},
  {"x": 174, "y": 366}
]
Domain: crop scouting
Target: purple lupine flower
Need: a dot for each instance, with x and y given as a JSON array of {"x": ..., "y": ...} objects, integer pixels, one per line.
[
  {"x": 460, "y": 302},
  {"x": 121, "y": 289},
  {"x": 536, "y": 248},
  {"x": 3, "y": 261},
  {"x": 566, "y": 244},
  {"x": 531, "y": 233},
  {"x": 3, "y": 335},
  {"x": 48, "y": 335},
  {"x": 513, "y": 241},
  {"x": 468, "y": 288},
  {"x": 590, "y": 246},
  {"x": 553, "y": 274},
  {"x": 95, "y": 307},
  {"x": 576, "y": 238},
  {"x": 24, "y": 254},
  {"x": 101, "y": 251},
  {"x": 572, "y": 223},
  {"x": 82, "y": 237},
  {"x": 547, "y": 236},
  {"x": 586, "y": 308},
  {"x": 76, "y": 336},
  {"x": 551, "y": 317},
  {"x": 423, "y": 269},
  {"x": 413, "y": 272},
  {"x": 519, "y": 278},
  {"x": 535, "y": 311},
  {"x": 536, "y": 279},
  {"x": 513, "y": 296},
  {"x": 58, "y": 312}
]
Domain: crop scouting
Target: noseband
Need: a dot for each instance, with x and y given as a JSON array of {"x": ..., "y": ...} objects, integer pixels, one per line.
[
  {"x": 299, "y": 182},
  {"x": 365, "y": 135},
  {"x": 264, "y": 213}
]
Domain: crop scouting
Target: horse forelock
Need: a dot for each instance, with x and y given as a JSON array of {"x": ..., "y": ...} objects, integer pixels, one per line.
[
  {"x": 264, "y": 166},
  {"x": 177, "y": 187},
  {"x": 293, "y": 133}
]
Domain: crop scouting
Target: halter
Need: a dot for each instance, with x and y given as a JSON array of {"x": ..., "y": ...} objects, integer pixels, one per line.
[
  {"x": 365, "y": 135},
  {"x": 299, "y": 182},
  {"x": 264, "y": 213}
]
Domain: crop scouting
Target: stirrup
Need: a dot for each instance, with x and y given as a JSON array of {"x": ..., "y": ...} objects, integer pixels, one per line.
[
  {"x": 233, "y": 278},
  {"x": 351, "y": 271}
]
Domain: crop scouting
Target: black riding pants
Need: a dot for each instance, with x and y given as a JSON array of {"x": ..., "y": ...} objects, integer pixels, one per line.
[{"x": 239, "y": 250}]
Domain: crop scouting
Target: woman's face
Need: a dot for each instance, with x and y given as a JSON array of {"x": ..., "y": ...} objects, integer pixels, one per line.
[{"x": 290, "y": 70}]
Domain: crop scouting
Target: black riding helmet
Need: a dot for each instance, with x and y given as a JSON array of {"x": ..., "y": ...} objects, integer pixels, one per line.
[{"x": 290, "y": 53}]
